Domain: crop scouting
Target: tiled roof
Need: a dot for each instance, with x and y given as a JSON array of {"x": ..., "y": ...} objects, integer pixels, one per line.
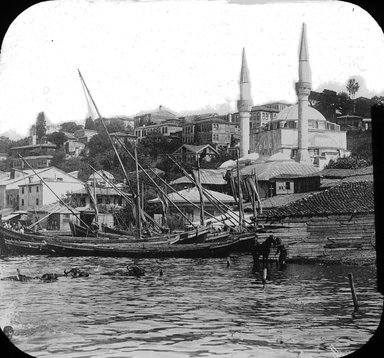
[
  {"x": 192, "y": 195},
  {"x": 207, "y": 176},
  {"x": 336, "y": 173},
  {"x": 267, "y": 170},
  {"x": 343, "y": 173},
  {"x": 358, "y": 175},
  {"x": 281, "y": 200},
  {"x": 347, "y": 198}
]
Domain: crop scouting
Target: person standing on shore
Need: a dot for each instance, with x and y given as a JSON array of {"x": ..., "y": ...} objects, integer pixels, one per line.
[{"x": 281, "y": 250}]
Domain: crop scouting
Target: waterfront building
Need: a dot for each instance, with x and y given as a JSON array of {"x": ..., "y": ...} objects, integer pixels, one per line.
[
  {"x": 183, "y": 198},
  {"x": 212, "y": 179},
  {"x": 11, "y": 192},
  {"x": 33, "y": 193},
  {"x": 280, "y": 174},
  {"x": 327, "y": 223}
]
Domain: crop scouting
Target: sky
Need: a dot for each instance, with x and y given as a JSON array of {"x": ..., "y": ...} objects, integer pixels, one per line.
[{"x": 183, "y": 55}]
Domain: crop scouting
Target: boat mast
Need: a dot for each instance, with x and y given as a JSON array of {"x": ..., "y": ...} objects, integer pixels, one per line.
[
  {"x": 138, "y": 209},
  {"x": 138, "y": 220},
  {"x": 198, "y": 186},
  {"x": 240, "y": 193}
]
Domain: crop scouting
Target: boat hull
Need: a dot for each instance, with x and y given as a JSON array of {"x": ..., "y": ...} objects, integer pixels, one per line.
[
  {"x": 146, "y": 250},
  {"x": 19, "y": 247}
]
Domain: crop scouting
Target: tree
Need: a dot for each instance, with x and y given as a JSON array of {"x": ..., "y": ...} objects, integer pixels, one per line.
[
  {"x": 89, "y": 124},
  {"x": 41, "y": 126},
  {"x": 352, "y": 87},
  {"x": 344, "y": 104},
  {"x": 5, "y": 144},
  {"x": 156, "y": 143},
  {"x": 113, "y": 125},
  {"x": 57, "y": 138},
  {"x": 325, "y": 102},
  {"x": 348, "y": 163},
  {"x": 70, "y": 127}
]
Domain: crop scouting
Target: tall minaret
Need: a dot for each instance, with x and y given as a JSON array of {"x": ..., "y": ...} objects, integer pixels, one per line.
[
  {"x": 303, "y": 89},
  {"x": 244, "y": 106}
]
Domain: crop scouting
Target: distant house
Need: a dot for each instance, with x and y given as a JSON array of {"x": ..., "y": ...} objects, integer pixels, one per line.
[
  {"x": 212, "y": 179},
  {"x": 332, "y": 177},
  {"x": 84, "y": 135},
  {"x": 190, "y": 153},
  {"x": 26, "y": 190},
  {"x": 109, "y": 197},
  {"x": 349, "y": 122},
  {"x": 215, "y": 130},
  {"x": 53, "y": 216},
  {"x": 101, "y": 178},
  {"x": 155, "y": 117},
  {"x": 169, "y": 128},
  {"x": 36, "y": 155},
  {"x": 279, "y": 174},
  {"x": 183, "y": 198},
  {"x": 73, "y": 148},
  {"x": 34, "y": 193}
]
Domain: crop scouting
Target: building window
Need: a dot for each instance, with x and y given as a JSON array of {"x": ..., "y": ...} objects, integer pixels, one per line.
[
  {"x": 37, "y": 189},
  {"x": 22, "y": 190},
  {"x": 287, "y": 185},
  {"x": 37, "y": 201},
  {"x": 30, "y": 189},
  {"x": 22, "y": 202}
]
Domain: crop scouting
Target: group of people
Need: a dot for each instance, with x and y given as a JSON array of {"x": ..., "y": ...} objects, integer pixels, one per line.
[
  {"x": 263, "y": 249},
  {"x": 15, "y": 226}
]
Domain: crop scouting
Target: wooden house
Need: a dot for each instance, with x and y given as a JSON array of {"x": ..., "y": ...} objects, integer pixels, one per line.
[{"x": 328, "y": 222}]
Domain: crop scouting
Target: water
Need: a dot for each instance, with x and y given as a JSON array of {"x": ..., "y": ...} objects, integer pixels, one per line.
[{"x": 198, "y": 308}]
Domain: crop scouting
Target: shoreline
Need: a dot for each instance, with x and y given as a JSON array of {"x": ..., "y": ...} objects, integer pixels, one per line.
[{"x": 348, "y": 258}]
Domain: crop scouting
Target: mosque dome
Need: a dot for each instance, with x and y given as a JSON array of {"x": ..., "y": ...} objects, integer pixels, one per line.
[{"x": 292, "y": 113}]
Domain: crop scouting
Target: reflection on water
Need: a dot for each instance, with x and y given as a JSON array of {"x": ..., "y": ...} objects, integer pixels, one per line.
[{"x": 199, "y": 307}]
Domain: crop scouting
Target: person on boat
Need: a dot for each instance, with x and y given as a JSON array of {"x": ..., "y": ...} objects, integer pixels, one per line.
[
  {"x": 281, "y": 250},
  {"x": 8, "y": 331},
  {"x": 75, "y": 272}
]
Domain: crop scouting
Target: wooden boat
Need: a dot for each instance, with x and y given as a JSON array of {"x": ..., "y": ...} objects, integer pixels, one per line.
[
  {"x": 145, "y": 250},
  {"x": 20, "y": 247},
  {"x": 110, "y": 230},
  {"x": 78, "y": 230}
]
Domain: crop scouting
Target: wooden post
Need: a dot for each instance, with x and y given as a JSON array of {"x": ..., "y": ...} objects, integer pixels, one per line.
[{"x": 354, "y": 297}]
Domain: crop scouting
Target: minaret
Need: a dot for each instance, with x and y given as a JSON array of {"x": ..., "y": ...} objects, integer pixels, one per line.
[
  {"x": 244, "y": 107},
  {"x": 303, "y": 89}
]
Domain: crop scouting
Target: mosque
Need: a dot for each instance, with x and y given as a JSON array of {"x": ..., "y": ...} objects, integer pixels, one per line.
[{"x": 299, "y": 132}]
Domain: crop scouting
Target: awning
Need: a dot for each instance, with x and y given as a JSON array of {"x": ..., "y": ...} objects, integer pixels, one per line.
[{"x": 9, "y": 217}]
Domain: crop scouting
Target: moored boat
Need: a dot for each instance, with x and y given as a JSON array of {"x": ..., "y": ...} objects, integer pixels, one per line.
[
  {"x": 145, "y": 250},
  {"x": 20, "y": 247}
]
